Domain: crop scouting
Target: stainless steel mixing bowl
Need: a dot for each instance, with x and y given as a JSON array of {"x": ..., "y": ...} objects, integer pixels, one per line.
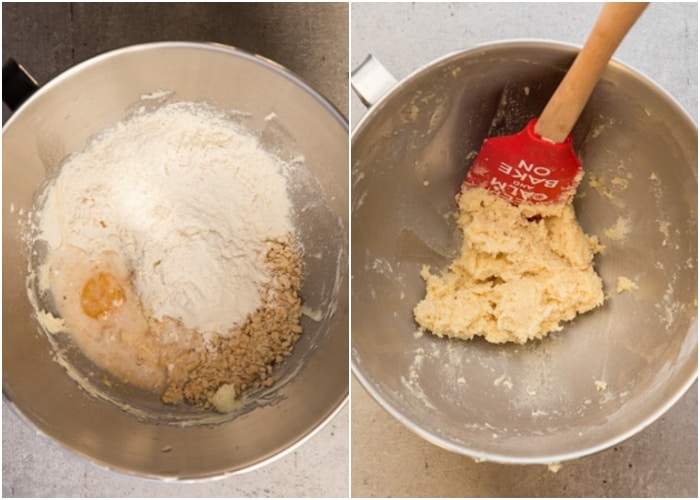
[
  {"x": 121, "y": 428},
  {"x": 610, "y": 372}
]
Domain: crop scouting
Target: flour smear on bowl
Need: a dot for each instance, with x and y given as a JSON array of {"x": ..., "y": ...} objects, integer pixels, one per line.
[{"x": 172, "y": 260}]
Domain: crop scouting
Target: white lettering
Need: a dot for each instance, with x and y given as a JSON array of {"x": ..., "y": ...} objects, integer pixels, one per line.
[
  {"x": 499, "y": 185},
  {"x": 505, "y": 168},
  {"x": 522, "y": 173},
  {"x": 515, "y": 192},
  {"x": 540, "y": 170},
  {"x": 523, "y": 185},
  {"x": 526, "y": 166}
]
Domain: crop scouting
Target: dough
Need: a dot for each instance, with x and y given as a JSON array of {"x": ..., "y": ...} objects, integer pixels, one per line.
[
  {"x": 523, "y": 271},
  {"x": 624, "y": 284}
]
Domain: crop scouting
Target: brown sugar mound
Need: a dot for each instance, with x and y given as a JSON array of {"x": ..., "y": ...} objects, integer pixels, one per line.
[{"x": 246, "y": 359}]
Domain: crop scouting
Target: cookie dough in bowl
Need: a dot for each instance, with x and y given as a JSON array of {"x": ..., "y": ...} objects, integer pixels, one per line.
[
  {"x": 612, "y": 278},
  {"x": 522, "y": 273}
]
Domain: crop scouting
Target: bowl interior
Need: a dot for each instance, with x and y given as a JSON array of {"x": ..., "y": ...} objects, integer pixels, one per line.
[
  {"x": 544, "y": 401},
  {"x": 125, "y": 429}
]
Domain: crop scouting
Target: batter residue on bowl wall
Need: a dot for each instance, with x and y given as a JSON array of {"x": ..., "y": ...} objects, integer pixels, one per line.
[
  {"x": 173, "y": 263},
  {"x": 519, "y": 277}
]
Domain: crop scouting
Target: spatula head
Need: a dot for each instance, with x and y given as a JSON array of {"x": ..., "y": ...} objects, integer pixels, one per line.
[{"x": 525, "y": 168}]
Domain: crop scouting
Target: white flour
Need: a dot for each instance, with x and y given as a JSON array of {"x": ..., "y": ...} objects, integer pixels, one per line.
[{"x": 188, "y": 200}]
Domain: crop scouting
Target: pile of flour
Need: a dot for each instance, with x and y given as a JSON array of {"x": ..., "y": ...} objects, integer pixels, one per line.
[{"x": 188, "y": 199}]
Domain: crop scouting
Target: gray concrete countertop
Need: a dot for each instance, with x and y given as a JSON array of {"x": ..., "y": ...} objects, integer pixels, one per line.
[
  {"x": 388, "y": 459},
  {"x": 309, "y": 39}
]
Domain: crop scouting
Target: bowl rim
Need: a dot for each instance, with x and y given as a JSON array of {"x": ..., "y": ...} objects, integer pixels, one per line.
[
  {"x": 540, "y": 43},
  {"x": 186, "y": 45}
]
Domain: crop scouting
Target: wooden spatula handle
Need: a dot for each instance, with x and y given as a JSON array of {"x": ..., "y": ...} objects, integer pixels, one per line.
[{"x": 565, "y": 106}]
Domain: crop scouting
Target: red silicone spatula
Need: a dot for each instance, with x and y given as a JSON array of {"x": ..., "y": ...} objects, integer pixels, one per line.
[{"x": 538, "y": 164}]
